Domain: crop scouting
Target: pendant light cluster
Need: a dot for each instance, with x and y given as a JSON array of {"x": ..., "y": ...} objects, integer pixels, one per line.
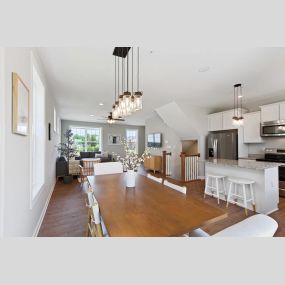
[
  {"x": 126, "y": 100},
  {"x": 238, "y": 118}
]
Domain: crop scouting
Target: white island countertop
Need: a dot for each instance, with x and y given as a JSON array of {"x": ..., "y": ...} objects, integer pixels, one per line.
[{"x": 244, "y": 163}]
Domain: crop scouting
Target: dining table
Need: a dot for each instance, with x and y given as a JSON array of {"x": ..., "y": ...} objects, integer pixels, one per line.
[{"x": 150, "y": 209}]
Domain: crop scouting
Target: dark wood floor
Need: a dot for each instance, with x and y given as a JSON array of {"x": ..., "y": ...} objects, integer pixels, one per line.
[{"x": 67, "y": 215}]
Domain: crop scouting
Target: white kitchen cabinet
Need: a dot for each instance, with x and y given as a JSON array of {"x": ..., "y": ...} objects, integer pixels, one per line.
[
  {"x": 251, "y": 132},
  {"x": 282, "y": 111},
  {"x": 270, "y": 112},
  {"x": 228, "y": 120},
  {"x": 215, "y": 122}
]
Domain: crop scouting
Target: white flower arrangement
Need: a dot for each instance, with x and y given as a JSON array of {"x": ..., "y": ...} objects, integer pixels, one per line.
[{"x": 132, "y": 160}]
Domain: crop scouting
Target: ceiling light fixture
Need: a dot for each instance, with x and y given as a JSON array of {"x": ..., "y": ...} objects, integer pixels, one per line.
[
  {"x": 101, "y": 104},
  {"x": 238, "y": 118},
  {"x": 204, "y": 68},
  {"x": 91, "y": 115},
  {"x": 128, "y": 101}
]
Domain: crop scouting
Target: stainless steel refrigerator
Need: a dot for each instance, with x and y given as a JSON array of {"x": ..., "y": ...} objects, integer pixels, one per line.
[{"x": 223, "y": 144}]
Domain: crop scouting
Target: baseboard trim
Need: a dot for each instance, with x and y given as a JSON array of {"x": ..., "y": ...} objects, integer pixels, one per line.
[
  {"x": 37, "y": 229},
  {"x": 270, "y": 212}
]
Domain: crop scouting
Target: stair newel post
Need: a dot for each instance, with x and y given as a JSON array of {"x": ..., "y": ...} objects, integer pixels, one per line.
[
  {"x": 164, "y": 163},
  {"x": 182, "y": 156}
]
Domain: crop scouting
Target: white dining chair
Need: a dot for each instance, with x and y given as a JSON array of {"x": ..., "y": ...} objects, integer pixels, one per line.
[
  {"x": 181, "y": 189},
  {"x": 255, "y": 226},
  {"x": 91, "y": 201},
  {"x": 104, "y": 168},
  {"x": 159, "y": 180}
]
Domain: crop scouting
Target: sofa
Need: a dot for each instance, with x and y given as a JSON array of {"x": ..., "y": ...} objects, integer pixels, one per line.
[{"x": 104, "y": 156}]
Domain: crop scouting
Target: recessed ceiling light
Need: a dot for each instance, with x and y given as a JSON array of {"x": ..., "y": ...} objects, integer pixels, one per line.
[
  {"x": 91, "y": 115},
  {"x": 101, "y": 104},
  {"x": 204, "y": 68}
]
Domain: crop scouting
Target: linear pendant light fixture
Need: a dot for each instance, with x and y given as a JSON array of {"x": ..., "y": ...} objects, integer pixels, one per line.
[
  {"x": 128, "y": 101},
  {"x": 238, "y": 118}
]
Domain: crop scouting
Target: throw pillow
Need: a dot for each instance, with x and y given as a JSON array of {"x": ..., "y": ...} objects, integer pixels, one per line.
[{"x": 105, "y": 154}]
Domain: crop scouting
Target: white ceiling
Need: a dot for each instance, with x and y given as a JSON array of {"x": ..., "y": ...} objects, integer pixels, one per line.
[{"x": 81, "y": 78}]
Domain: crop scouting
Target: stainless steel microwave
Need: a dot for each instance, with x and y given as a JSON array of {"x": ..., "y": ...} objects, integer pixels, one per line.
[{"x": 273, "y": 129}]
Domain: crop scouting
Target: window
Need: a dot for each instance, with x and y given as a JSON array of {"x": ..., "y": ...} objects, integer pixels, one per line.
[
  {"x": 87, "y": 139},
  {"x": 54, "y": 120},
  {"x": 38, "y": 134},
  {"x": 132, "y": 138}
]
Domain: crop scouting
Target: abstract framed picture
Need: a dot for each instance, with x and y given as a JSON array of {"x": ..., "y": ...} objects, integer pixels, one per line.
[
  {"x": 114, "y": 140},
  {"x": 20, "y": 105}
]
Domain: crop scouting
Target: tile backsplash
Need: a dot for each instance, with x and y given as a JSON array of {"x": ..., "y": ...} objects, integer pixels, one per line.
[{"x": 272, "y": 142}]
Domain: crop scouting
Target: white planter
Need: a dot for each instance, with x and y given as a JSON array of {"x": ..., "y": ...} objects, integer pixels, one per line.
[{"x": 130, "y": 178}]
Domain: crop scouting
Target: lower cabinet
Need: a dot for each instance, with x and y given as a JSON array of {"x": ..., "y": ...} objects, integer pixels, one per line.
[
  {"x": 251, "y": 132},
  {"x": 153, "y": 163}
]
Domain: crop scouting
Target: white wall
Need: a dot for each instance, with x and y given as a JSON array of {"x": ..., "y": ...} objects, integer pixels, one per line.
[
  {"x": 170, "y": 141},
  {"x": 2, "y": 139},
  {"x": 20, "y": 219},
  {"x": 113, "y": 129}
]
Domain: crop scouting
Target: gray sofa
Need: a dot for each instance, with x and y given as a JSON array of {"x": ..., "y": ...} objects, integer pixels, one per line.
[{"x": 95, "y": 154}]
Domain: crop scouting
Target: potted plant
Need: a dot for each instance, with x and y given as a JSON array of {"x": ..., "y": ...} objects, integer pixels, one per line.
[
  {"x": 67, "y": 150},
  {"x": 131, "y": 162}
]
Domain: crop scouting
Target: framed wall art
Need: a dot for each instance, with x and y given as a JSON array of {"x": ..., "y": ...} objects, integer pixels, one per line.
[
  {"x": 20, "y": 110},
  {"x": 114, "y": 140}
]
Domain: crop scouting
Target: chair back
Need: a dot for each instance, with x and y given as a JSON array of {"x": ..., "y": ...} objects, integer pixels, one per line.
[
  {"x": 88, "y": 167},
  {"x": 159, "y": 180},
  {"x": 104, "y": 168},
  {"x": 181, "y": 189},
  {"x": 95, "y": 227}
]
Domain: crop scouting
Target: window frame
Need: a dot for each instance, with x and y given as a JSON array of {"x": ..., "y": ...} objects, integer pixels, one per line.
[
  {"x": 137, "y": 138},
  {"x": 90, "y": 128},
  {"x": 34, "y": 195}
]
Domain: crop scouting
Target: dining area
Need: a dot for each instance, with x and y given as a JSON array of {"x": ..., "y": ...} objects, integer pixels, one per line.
[{"x": 156, "y": 207}]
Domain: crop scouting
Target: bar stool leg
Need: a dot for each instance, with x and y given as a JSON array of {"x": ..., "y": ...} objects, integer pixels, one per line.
[
  {"x": 252, "y": 197},
  {"x": 244, "y": 199},
  {"x": 225, "y": 190},
  {"x": 206, "y": 186},
  {"x": 229, "y": 193},
  {"x": 217, "y": 190}
]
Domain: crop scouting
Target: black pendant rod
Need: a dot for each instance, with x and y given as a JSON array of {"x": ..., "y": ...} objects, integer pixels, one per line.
[
  {"x": 132, "y": 70},
  {"x": 115, "y": 79},
  {"x": 138, "y": 72}
]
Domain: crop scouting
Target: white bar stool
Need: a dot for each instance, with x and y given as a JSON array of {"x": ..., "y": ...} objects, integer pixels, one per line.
[
  {"x": 233, "y": 196},
  {"x": 213, "y": 187}
]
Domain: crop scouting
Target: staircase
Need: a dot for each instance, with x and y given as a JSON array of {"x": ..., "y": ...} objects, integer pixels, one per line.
[{"x": 188, "y": 123}]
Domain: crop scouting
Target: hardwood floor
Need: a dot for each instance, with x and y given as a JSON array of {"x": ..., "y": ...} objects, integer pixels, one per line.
[{"x": 67, "y": 215}]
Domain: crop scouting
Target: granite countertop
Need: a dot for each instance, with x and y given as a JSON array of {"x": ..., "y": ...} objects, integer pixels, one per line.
[{"x": 244, "y": 163}]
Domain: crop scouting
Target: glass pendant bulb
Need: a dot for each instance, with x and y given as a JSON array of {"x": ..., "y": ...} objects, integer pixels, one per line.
[{"x": 138, "y": 100}]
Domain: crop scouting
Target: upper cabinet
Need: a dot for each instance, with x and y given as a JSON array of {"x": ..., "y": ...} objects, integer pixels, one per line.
[
  {"x": 222, "y": 121},
  {"x": 215, "y": 122},
  {"x": 282, "y": 111},
  {"x": 228, "y": 120},
  {"x": 251, "y": 128},
  {"x": 270, "y": 112}
]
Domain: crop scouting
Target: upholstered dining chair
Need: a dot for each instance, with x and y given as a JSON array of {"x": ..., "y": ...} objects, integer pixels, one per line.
[
  {"x": 259, "y": 225},
  {"x": 104, "y": 168},
  {"x": 95, "y": 227},
  {"x": 181, "y": 189},
  {"x": 92, "y": 228},
  {"x": 159, "y": 180}
]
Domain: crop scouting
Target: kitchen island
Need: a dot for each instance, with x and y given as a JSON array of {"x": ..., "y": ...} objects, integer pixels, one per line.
[{"x": 265, "y": 175}]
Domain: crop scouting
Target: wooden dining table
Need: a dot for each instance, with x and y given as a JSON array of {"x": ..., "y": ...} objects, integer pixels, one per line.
[{"x": 150, "y": 209}]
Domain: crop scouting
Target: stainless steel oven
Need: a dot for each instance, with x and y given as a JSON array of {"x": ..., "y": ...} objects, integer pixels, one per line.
[{"x": 273, "y": 129}]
